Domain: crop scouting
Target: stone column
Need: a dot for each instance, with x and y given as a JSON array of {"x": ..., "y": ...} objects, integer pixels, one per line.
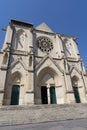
[
  {"x": 48, "y": 93},
  {"x": 21, "y": 96}
]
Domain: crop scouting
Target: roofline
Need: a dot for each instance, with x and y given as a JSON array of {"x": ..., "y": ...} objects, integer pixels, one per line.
[
  {"x": 22, "y": 23},
  {"x": 55, "y": 33}
]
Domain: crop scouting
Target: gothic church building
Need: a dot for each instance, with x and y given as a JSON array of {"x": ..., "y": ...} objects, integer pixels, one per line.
[{"x": 38, "y": 66}]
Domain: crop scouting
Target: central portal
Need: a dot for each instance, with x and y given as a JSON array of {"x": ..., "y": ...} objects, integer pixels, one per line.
[
  {"x": 46, "y": 93},
  {"x": 44, "y": 96}
]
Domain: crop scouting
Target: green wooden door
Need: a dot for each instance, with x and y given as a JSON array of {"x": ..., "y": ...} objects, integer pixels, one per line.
[
  {"x": 15, "y": 95},
  {"x": 44, "y": 95},
  {"x": 76, "y": 94},
  {"x": 52, "y": 95}
]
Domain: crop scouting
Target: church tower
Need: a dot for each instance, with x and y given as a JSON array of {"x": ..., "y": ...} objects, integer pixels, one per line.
[{"x": 38, "y": 66}]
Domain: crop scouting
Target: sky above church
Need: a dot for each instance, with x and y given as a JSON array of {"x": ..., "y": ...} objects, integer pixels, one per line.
[{"x": 62, "y": 16}]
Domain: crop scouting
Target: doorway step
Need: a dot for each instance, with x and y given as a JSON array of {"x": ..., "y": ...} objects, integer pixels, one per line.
[{"x": 13, "y": 115}]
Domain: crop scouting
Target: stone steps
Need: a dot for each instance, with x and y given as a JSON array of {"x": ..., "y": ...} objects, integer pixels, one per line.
[{"x": 10, "y": 115}]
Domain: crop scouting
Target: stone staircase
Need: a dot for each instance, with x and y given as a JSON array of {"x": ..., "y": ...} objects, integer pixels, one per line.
[{"x": 12, "y": 115}]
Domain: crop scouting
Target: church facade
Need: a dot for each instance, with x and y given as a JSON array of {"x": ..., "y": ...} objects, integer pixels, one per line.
[{"x": 38, "y": 66}]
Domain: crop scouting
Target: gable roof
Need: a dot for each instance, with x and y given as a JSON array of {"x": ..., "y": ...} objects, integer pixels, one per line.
[
  {"x": 44, "y": 27},
  {"x": 48, "y": 58},
  {"x": 16, "y": 62}
]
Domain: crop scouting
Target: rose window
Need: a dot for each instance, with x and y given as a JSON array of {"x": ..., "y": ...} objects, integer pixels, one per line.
[{"x": 44, "y": 44}]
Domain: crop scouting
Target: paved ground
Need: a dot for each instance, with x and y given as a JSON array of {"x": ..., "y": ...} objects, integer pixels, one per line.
[{"x": 80, "y": 124}]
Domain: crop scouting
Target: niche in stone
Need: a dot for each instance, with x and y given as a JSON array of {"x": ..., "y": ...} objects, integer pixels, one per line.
[
  {"x": 20, "y": 39},
  {"x": 5, "y": 58},
  {"x": 68, "y": 47}
]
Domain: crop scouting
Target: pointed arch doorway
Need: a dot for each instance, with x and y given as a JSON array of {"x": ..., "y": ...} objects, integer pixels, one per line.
[
  {"x": 15, "y": 95},
  {"x": 75, "y": 89},
  {"x": 47, "y": 86}
]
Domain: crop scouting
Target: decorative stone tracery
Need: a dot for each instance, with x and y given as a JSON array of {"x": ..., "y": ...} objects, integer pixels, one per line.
[{"x": 44, "y": 44}]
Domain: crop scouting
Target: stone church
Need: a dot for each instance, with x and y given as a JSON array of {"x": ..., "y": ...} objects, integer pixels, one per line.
[{"x": 39, "y": 66}]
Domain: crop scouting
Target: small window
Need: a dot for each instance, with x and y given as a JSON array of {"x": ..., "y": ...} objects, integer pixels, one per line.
[{"x": 30, "y": 61}]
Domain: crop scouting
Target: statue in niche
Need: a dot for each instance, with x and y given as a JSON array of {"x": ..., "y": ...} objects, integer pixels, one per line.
[
  {"x": 68, "y": 48},
  {"x": 21, "y": 39}
]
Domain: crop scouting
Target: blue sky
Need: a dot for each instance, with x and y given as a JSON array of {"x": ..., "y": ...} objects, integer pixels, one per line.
[{"x": 62, "y": 16}]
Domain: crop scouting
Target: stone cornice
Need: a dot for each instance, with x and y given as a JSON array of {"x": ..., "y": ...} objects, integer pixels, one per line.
[
  {"x": 60, "y": 58},
  {"x": 18, "y": 52},
  {"x": 40, "y": 31},
  {"x": 20, "y": 23},
  {"x": 53, "y": 33}
]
